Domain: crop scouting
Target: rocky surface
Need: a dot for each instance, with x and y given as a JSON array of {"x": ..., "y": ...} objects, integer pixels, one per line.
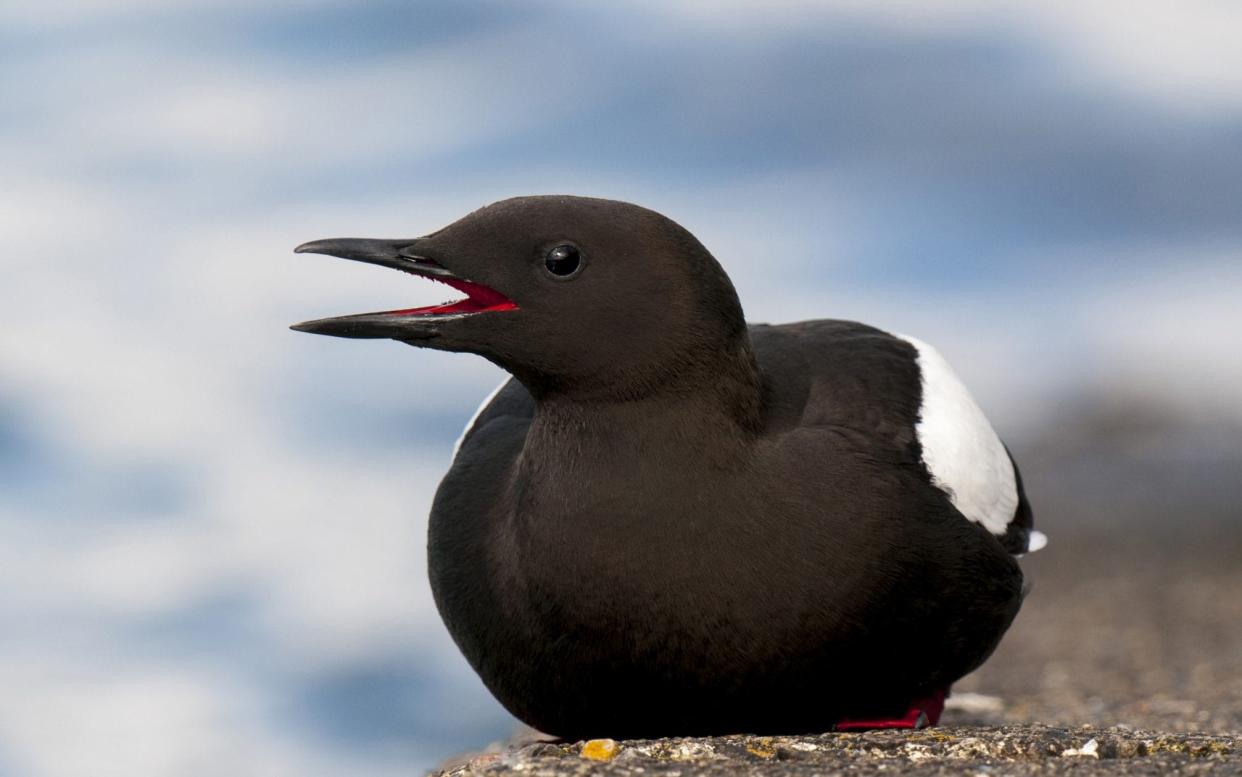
[{"x": 1011, "y": 750}]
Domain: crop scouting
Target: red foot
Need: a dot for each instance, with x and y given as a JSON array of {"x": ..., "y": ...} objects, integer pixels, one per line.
[{"x": 922, "y": 713}]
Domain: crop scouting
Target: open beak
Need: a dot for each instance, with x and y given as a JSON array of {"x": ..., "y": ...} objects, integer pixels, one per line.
[{"x": 411, "y": 324}]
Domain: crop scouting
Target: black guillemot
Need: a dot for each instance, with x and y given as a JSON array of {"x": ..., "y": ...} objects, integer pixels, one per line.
[{"x": 670, "y": 522}]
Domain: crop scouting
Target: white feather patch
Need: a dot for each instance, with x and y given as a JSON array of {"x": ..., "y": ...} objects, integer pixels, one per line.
[
  {"x": 1036, "y": 542},
  {"x": 470, "y": 424},
  {"x": 962, "y": 452}
]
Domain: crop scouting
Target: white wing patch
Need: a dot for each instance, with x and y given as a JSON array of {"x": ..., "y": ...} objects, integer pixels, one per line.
[
  {"x": 470, "y": 424},
  {"x": 1037, "y": 541},
  {"x": 963, "y": 454}
]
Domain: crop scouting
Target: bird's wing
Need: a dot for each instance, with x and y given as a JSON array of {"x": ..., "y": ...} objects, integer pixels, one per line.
[
  {"x": 508, "y": 400},
  {"x": 902, "y": 400},
  {"x": 966, "y": 458},
  {"x": 1021, "y": 536}
]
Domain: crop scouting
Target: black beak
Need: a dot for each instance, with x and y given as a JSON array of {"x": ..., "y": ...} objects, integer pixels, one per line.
[{"x": 398, "y": 254}]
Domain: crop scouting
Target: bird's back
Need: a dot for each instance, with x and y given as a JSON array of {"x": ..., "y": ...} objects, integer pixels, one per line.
[{"x": 859, "y": 390}]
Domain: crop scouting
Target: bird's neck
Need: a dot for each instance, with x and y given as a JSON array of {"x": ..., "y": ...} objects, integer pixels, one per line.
[{"x": 705, "y": 413}]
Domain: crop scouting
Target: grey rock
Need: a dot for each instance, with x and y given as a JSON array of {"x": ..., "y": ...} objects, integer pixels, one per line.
[{"x": 1030, "y": 749}]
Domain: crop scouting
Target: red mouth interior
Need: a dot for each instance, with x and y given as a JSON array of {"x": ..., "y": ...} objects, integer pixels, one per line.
[{"x": 479, "y": 299}]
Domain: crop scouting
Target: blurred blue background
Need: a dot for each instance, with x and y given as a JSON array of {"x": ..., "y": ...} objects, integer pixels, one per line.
[{"x": 212, "y": 528}]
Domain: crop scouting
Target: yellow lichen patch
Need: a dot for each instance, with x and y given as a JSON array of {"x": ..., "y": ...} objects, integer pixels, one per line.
[
  {"x": 600, "y": 749},
  {"x": 761, "y": 750},
  {"x": 1194, "y": 748}
]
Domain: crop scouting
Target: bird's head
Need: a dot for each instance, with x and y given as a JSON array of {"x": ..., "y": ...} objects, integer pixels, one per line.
[{"x": 563, "y": 292}]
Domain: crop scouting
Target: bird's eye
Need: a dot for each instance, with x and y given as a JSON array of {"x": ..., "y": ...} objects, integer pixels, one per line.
[{"x": 563, "y": 261}]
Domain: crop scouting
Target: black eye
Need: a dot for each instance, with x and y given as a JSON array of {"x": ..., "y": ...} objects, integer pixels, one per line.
[{"x": 563, "y": 260}]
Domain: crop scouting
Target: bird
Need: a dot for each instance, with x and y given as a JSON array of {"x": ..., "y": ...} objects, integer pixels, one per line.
[{"x": 670, "y": 522}]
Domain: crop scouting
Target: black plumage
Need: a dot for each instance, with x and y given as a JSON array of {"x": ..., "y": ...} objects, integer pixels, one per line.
[{"x": 669, "y": 522}]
